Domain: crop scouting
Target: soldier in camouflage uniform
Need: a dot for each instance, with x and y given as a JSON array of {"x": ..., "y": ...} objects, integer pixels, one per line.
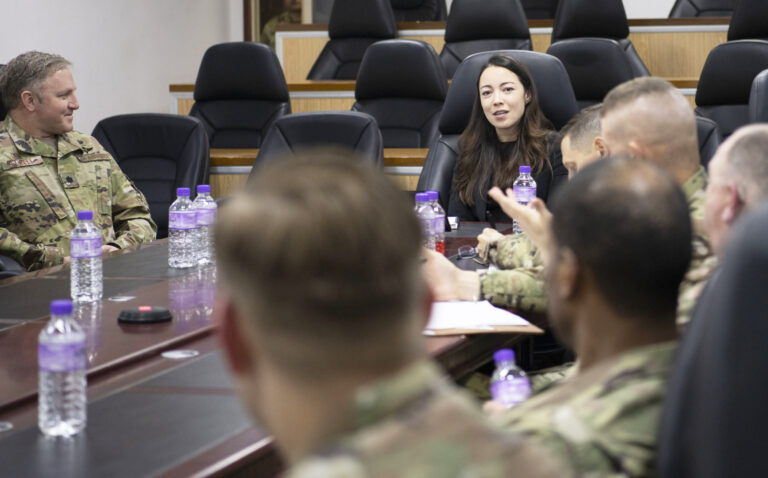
[
  {"x": 617, "y": 310},
  {"x": 48, "y": 172},
  {"x": 327, "y": 347}
]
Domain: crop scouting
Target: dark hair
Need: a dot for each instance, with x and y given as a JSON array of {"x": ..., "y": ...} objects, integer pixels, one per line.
[
  {"x": 583, "y": 128},
  {"x": 26, "y": 72},
  {"x": 483, "y": 156},
  {"x": 628, "y": 223},
  {"x": 350, "y": 285}
]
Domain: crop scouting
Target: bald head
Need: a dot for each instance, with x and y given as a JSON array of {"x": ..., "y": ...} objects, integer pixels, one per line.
[
  {"x": 650, "y": 119},
  {"x": 738, "y": 180}
]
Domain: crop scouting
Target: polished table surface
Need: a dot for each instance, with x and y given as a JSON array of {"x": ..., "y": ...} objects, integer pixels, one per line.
[{"x": 149, "y": 415}]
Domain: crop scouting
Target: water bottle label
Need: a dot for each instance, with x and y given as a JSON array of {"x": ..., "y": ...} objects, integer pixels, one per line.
[
  {"x": 206, "y": 217},
  {"x": 511, "y": 392},
  {"x": 66, "y": 357},
  {"x": 524, "y": 194},
  {"x": 439, "y": 227},
  {"x": 79, "y": 248},
  {"x": 427, "y": 227},
  {"x": 182, "y": 220}
]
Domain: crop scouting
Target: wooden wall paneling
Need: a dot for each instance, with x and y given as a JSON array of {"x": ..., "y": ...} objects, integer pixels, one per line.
[
  {"x": 677, "y": 54},
  {"x": 299, "y": 54},
  {"x": 184, "y": 105},
  {"x": 226, "y": 184}
]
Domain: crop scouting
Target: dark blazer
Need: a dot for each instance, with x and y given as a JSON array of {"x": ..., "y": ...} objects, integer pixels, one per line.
[{"x": 547, "y": 181}]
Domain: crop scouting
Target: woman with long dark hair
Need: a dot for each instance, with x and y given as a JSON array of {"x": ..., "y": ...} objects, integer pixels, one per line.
[{"x": 506, "y": 130}]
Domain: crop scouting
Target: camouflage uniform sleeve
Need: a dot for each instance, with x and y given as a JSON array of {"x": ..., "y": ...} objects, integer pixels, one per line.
[
  {"x": 30, "y": 256},
  {"x": 521, "y": 289},
  {"x": 130, "y": 212},
  {"x": 514, "y": 251},
  {"x": 703, "y": 264}
]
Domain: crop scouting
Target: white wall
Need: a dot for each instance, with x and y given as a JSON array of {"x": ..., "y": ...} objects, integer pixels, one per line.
[
  {"x": 125, "y": 53},
  {"x": 638, "y": 8}
]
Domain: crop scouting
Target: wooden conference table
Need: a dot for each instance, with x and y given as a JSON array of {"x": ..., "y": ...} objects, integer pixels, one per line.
[{"x": 149, "y": 415}]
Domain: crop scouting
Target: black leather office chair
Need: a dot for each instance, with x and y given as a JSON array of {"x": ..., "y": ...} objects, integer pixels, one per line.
[
  {"x": 353, "y": 27},
  {"x": 540, "y": 9},
  {"x": 483, "y": 25},
  {"x": 556, "y": 100},
  {"x": 239, "y": 92},
  {"x": 343, "y": 129},
  {"x": 419, "y": 10},
  {"x": 597, "y": 18},
  {"x": 748, "y": 20},
  {"x": 9, "y": 267},
  {"x": 702, "y": 8},
  {"x": 159, "y": 153},
  {"x": 726, "y": 81},
  {"x": 758, "y": 99},
  {"x": 709, "y": 138},
  {"x": 594, "y": 65},
  {"x": 402, "y": 84},
  {"x": 714, "y": 421}
]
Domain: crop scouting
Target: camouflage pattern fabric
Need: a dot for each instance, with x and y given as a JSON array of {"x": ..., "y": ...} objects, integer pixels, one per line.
[
  {"x": 603, "y": 421},
  {"x": 703, "y": 261},
  {"x": 42, "y": 188},
  {"x": 417, "y": 424},
  {"x": 268, "y": 32},
  {"x": 521, "y": 285}
]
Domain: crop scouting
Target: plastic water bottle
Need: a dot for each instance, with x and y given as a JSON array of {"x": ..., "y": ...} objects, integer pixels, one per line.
[
  {"x": 182, "y": 222},
  {"x": 427, "y": 217},
  {"x": 86, "y": 282},
  {"x": 525, "y": 191},
  {"x": 61, "y": 360},
  {"x": 439, "y": 227},
  {"x": 205, "y": 208},
  {"x": 509, "y": 383}
]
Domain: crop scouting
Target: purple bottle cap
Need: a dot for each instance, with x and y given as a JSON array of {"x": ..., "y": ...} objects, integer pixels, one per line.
[
  {"x": 61, "y": 307},
  {"x": 504, "y": 355},
  {"x": 421, "y": 197},
  {"x": 525, "y": 169},
  {"x": 84, "y": 215},
  {"x": 432, "y": 195},
  {"x": 182, "y": 192},
  {"x": 203, "y": 188}
]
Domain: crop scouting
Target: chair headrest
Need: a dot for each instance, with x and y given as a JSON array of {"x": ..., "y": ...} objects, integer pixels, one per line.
[
  {"x": 418, "y": 10},
  {"x": 146, "y": 134},
  {"x": 726, "y": 78},
  {"x": 556, "y": 97},
  {"x": 483, "y": 19},
  {"x": 401, "y": 69},
  {"x": 590, "y": 18},
  {"x": 702, "y": 8},
  {"x": 582, "y": 57},
  {"x": 347, "y": 129},
  {"x": 362, "y": 18},
  {"x": 240, "y": 70},
  {"x": 758, "y": 99},
  {"x": 748, "y": 20}
]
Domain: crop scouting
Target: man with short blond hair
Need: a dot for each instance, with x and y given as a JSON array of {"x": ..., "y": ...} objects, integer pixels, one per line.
[{"x": 48, "y": 172}]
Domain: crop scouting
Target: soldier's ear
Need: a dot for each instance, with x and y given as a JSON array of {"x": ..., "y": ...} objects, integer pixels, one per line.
[
  {"x": 567, "y": 274},
  {"x": 29, "y": 100},
  {"x": 233, "y": 338}
]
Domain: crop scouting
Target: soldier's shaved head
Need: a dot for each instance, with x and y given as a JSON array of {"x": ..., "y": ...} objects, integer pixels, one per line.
[
  {"x": 26, "y": 72},
  {"x": 321, "y": 254},
  {"x": 650, "y": 119},
  {"x": 625, "y": 223}
]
